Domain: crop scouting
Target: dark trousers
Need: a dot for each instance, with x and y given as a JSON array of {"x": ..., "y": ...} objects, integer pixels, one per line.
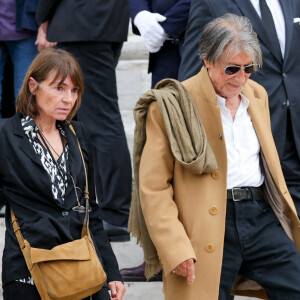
[
  {"x": 291, "y": 164},
  {"x": 23, "y": 291},
  {"x": 165, "y": 63},
  {"x": 100, "y": 114},
  {"x": 257, "y": 247}
]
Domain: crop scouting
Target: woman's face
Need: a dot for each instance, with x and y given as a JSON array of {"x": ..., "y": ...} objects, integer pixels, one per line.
[
  {"x": 54, "y": 100},
  {"x": 229, "y": 86}
]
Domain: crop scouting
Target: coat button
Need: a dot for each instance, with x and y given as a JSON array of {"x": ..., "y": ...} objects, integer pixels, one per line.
[
  {"x": 216, "y": 174},
  {"x": 284, "y": 75},
  {"x": 213, "y": 210},
  {"x": 209, "y": 247},
  {"x": 65, "y": 213},
  {"x": 286, "y": 104}
]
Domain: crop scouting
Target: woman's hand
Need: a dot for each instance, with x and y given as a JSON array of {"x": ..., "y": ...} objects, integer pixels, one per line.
[
  {"x": 117, "y": 290},
  {"x": 41, "y": 39},
  {"x": 186, "y": 269}
]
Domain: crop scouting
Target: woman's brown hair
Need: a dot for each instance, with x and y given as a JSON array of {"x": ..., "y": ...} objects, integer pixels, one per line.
[{"x": 48, "y": 60}]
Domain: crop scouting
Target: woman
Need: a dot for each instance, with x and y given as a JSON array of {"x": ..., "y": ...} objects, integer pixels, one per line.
[
  {"x": 235, "y": 227},
  {"x": 42, "y": 175}
]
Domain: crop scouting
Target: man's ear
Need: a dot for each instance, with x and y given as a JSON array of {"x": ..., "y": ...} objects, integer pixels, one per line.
[
  {"x": 32, "y": 84},
  {"x": 206, "y": 63}
]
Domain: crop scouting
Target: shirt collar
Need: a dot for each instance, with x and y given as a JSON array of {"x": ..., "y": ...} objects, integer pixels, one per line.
[
  {"x": 244, "y": 102},
  {"x": 30, "y": 127}
]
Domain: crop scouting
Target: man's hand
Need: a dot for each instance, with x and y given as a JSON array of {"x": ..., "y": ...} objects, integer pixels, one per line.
[
  {"x": 186, "y": 269},
  {"x": 117, "y": 290},
  {"x": 41, "y": 39},
  {"x": 148, "y": 25}
]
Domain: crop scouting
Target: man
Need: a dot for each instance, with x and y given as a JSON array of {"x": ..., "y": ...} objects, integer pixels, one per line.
[
  {"x": 94, "y": 33},
  {"x": 226, "y": 228},
  {"x": 280, "y": 72},
  {"x": 162, "y": 25}
]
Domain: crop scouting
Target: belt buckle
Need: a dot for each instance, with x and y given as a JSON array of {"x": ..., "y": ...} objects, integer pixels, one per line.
[{"x": 232, "y": 192}]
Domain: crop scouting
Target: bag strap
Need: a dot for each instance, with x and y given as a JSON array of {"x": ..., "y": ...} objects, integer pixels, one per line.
[
  {"x": 17, "y": 230},
  {"x": 85, "y": 228},
  {"x": 86, "y": 191}
]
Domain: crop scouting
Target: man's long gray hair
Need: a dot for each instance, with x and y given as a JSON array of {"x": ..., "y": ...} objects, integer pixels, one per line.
[{"x": 229, "y": 34}]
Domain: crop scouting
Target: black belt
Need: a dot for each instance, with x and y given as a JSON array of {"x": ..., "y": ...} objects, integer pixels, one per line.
[{"x": 245, "y": 193}]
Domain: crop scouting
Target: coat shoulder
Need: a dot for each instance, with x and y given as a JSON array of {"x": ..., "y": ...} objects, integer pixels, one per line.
[
  {"x": 4, "y": 123},
  {"x": 79, "y": 128},
  {"x": 7, "y": 126}
]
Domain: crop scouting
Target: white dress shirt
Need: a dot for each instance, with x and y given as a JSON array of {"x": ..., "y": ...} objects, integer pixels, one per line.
[
  {"x": 242, "y": 145},
  {"x": 278, "y": 18}
]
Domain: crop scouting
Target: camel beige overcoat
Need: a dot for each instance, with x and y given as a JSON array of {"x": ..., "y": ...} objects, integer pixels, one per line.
[{"x": 185, "y": 213}]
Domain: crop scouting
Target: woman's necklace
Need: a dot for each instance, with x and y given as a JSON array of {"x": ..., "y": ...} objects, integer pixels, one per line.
[{"x": 46, "y": 142}]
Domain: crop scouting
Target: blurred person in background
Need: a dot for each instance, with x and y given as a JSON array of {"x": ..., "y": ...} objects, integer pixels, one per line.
[
  {"x": 162, "y": 26},
  {"x": 94, "y": 33},
  {"x": 18, "y": 30}
]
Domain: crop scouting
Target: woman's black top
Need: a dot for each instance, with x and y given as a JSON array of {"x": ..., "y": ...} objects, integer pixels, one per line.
[{"x": 45, "y": 222}]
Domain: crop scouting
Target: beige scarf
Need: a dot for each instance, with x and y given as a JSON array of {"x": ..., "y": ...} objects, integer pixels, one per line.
[{"x": 188, "y": 143}]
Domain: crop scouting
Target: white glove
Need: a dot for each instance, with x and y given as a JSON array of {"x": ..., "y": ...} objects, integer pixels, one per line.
[{"x": 150, "y": 30}]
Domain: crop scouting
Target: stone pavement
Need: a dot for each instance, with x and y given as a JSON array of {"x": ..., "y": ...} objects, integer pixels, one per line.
[{"x": 133, "y": 80}]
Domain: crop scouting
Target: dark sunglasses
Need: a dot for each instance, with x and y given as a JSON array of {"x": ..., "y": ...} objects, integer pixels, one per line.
[{"x": 230, "y": 70}]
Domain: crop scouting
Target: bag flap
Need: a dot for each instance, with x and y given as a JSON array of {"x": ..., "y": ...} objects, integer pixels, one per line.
[{"x": 75, "y": 250}]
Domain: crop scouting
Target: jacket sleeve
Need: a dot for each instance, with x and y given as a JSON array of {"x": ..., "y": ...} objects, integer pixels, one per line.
[
  {"x": 177, "y": 19},
  {"x": 25, "y": 11},
  {"x": 136, "y": 6},
  {"x": 200, "y": 14},
  {"x": 156, "y": 195},
  {"x": 45, "y": 10},
  {"x": 109, "y": 260}
]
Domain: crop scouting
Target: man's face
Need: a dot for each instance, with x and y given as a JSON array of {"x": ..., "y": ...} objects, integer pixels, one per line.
[{"x": 228, "y": 86}]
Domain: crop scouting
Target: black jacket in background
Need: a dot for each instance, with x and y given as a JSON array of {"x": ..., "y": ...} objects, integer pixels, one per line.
[
  {"x": 25, "y": 15},
  {"x": 25, "y": 185},
  {"x": 85, "y": 20}
]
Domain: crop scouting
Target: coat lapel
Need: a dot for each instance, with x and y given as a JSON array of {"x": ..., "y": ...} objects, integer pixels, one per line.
[
  {"x": 249, "y": 11},
  {"x": 24, "y": 144},
  {"x": 261, "y": 122}
]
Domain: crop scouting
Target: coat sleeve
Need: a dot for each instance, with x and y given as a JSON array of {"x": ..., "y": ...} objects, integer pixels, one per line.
[
  {"x": 156, "y": 195},
  {"x": 45, "y": 10},
  {"x": 200, "y": 14},
  {"x": 136, "y": 6},
  {"x": 177, "y": 19},
  {"x": 100, "y": 238}
]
